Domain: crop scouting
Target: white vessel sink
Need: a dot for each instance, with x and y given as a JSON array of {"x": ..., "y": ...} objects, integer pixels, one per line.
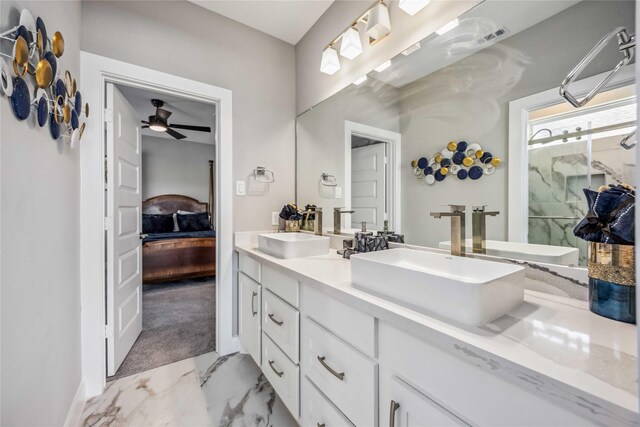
[
  {"x": 525, "y": 251},
  {"x": 467, "y": 290},
  {"x": 293, "y": 245}
]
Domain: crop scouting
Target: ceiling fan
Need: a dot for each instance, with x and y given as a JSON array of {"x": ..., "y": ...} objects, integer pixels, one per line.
[{"x": 158, "y": 122}]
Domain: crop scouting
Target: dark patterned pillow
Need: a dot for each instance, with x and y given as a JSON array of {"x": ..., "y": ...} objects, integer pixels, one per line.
[
  {"x": 194, "y": 222},
  {"x": 157, "y": 223}
]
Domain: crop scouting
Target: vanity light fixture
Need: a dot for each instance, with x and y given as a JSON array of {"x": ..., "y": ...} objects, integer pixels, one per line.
[
  {"x": 378, "y": 23},
  {"x": 413, "y": 6},
  {"x": 448, "y": 27},
  {"x": 380, "y": 68},
  {"x": 351, "y": 46},
  {"x": 412, "y": 49},
  {"x": 330, "y": 62},
  {"x": 360, "y": 80}
]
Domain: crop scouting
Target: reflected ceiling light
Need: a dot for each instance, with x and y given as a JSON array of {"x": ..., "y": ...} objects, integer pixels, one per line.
[
  {"x": 448, "y": 27},
  {"x": 411, "y": 49},
  {"x": 351, "y": 46},
  {"x": 330, "y": 62},
  {"x": 413, "y": 6},
  {"x": 380, "y": 68},
  {"x": 360, "y": 80},
  {"x": 378, "y": 23}
]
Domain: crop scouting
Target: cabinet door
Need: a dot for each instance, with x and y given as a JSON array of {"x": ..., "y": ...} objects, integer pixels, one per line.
[
  {"x": 249, "y": 306},
  {"x": 410, "y": 408}
]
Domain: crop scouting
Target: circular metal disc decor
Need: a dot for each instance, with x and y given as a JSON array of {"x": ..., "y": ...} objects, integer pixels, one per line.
[
  {"x": 20, "y": 101},
  {"x": 459, "y": 159}
]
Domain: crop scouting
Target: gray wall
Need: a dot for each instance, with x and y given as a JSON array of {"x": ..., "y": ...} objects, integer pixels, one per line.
[
  {"x": 40, "y": 246},
  {"x": 321, "y": 139},
  {"x": 435, "y": 109},
  {"x": 175, "y": 167},
  {"x": 312, "y": 86},
  {"x": 201, "y": 45}
]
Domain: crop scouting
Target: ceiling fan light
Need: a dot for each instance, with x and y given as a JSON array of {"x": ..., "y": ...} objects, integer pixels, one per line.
[
  {"x": 378, "y": 22},
  {"x": 413, "y": 6},
  {"x": 157, "y": 125},
  {"x": 330, "y": 62},
  {"x": 351, "y": 46}
]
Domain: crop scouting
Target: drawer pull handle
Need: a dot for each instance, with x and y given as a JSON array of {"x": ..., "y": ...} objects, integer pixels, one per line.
[
  {"x": 253, "y": 303},
  {"x": 392, "y": 413},
  {"x": 338, "y": 375},
  {"x": 277, "y": 322},
  {"x": 278, "y": 373}
]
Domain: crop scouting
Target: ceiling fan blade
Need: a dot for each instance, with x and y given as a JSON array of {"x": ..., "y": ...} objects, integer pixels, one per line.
[
  {"x": 162, "y": 114},
  {"x": 144, "y": 121},
  {"x": 145, "y": 126},
  {"x": 189, "y": 127},
  {"x": 175, "y": 134}
]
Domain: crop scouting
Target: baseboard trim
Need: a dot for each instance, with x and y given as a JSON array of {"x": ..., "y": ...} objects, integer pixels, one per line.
[{"x": 77, "y": 406}]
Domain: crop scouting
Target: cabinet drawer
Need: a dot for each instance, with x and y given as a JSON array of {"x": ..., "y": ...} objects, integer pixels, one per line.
[
  {"x": 317, "y": 410},
  {"x": 284, "y": 286},
  {"x": 355, "y": 327},
  {"x": 249, "y": 266},
  {"x": 347, "y": 377},
  {"x": 283, "y": 375},
  {"x": 250, "y": 309},
  {"x": 282, "y": 323}
]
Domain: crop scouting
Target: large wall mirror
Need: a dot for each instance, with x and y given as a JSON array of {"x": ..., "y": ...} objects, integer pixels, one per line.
[{"x": 491, "y": 79}]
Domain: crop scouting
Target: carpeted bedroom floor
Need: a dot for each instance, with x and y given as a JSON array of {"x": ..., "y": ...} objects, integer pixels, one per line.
[{"x": 178, "y": 322}]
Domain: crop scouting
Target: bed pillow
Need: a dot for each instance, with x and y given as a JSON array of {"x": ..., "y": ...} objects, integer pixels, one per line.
[
  {"x": 194, "y": 222},
  {"x": 157, "y": 223}
]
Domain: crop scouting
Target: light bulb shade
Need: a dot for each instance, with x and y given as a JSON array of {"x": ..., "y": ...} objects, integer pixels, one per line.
[
  {"x": 330, "y": 62},
  {"x": 351, "y": 46},
  {"x": 157, "y": 125},
  {"x": 413, "y": 6},
  {"x": 378, "y": 22}
]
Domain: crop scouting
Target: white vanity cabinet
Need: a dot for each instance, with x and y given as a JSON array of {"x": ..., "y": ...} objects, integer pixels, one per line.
[{"x": 250, "y": 307}]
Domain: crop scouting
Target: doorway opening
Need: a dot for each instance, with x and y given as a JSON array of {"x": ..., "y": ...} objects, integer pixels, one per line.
[
  {"x": 160, "y": 250},
  {"x": 372, "y": 177}
]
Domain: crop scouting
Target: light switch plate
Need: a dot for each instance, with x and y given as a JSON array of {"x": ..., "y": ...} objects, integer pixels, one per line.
[
  {"x": 275, "y": 218},
  {"x": 338, "y": 192},
  {"x": 241, "y": 188}
]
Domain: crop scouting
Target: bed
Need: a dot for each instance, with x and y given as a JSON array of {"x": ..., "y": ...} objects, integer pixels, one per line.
[{"x": 177, "y": 255}]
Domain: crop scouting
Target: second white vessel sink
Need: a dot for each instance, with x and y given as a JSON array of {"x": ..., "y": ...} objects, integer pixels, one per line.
[
  {"x": 293, "y": 245},
  {"x": 525, "y": 251},
  {"x": 467, "y": 290}
]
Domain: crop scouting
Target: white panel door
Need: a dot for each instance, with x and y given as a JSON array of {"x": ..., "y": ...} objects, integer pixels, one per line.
[
  {"x": 368, "y": 186},
  {"x": 124, "y": 247}
]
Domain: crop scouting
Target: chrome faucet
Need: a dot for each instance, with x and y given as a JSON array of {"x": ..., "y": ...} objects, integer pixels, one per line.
[
  {"x": 457, "y": 216},
  {"x": 336, "y": 219},
  {"x": 479, "y": 228},
  {"x": 317, "y": 222}
]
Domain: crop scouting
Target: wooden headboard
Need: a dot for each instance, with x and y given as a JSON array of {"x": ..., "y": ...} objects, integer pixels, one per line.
[{"x": 172, "y": 203}]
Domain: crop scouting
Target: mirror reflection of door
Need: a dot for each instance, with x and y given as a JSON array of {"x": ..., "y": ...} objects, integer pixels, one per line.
[{"x": 368, "y": 183}]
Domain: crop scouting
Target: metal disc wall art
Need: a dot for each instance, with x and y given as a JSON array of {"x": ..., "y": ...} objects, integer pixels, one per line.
[
  {"x": 33, "y": 66},
  {"x": 459, "y": 159}
]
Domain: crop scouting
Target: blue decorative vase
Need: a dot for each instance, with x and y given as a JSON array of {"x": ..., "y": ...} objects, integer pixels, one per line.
[{"x": 612, "y": 287}]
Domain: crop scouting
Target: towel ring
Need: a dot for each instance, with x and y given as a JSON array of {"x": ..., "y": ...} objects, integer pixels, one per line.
[
  {"x": 626, "y": 45},
  {"x": 328, "y": 180},
  {"x": 262, "y": 174}
]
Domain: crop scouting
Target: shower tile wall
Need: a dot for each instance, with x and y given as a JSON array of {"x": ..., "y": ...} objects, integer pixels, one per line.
[{"x": 557, "y": 175}]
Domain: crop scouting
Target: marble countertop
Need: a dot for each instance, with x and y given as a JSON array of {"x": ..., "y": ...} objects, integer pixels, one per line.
[{"x": 551, "y": 344}]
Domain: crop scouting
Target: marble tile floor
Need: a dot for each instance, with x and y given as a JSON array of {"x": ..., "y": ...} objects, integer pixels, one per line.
[{"x": 208, "y": 390}]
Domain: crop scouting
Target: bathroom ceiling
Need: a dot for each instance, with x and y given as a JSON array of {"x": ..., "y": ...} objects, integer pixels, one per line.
[
  {"x": 437, "y": 52},
  {"x": 184, "y": 111},
  {"x": 287, "y": 20}
]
